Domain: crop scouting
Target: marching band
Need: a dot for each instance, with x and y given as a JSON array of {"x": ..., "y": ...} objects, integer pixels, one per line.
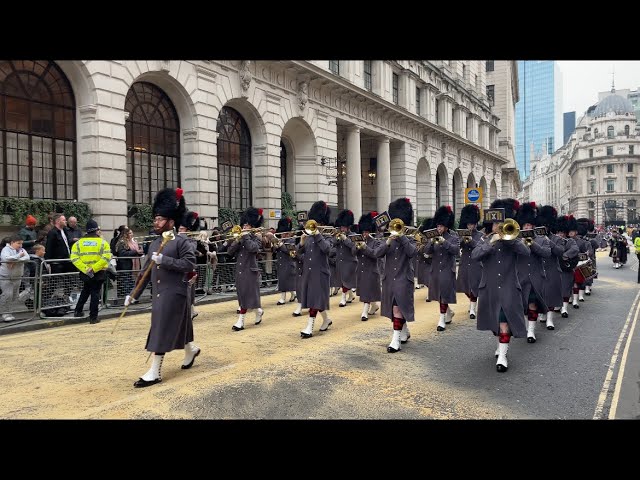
[{"x": 524, "y": 268}]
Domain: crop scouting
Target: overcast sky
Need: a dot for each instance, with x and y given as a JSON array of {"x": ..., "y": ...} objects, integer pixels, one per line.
[{"x": 582, "y": 80}]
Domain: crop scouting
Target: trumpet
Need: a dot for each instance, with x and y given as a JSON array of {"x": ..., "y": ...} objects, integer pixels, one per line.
[
  {"x": 292, "y": 253},
  {"x": 312, "y": 227},
  {"x": 508, "y": 231}
]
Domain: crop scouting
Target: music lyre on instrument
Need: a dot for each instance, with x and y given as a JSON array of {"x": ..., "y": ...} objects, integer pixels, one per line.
[
  {"x": 542, "y": 231},
  {"x": 528, "y": 236},
  {"x": 358, "y": 240},
  {"x": 465, "y": 234},
  {"x": 166, "y": 238},
  {"x": 433, "y": 235}
]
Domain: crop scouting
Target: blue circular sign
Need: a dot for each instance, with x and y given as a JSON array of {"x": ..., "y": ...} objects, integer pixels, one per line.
[{"x": 473, "y": 195}]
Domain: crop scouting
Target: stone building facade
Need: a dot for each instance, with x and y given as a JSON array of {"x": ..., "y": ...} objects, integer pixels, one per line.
[{"x": 356, "y": 134}]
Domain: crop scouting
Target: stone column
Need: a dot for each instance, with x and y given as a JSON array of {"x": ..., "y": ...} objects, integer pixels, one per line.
[
  {"x": 383, "y": 178},
  {"x": 354, "y": 172}
]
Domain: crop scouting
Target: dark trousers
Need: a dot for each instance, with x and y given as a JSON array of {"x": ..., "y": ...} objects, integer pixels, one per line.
[
  {"x": 638, "y": 255},
  {"x": 91, "y": 286}
]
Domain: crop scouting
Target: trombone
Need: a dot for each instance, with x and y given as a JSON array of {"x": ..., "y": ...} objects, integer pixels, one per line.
[
  {"x": 507, "y": 231},
  {"x": 312, "y": 227},
  {"x": 397, "y": 228}
]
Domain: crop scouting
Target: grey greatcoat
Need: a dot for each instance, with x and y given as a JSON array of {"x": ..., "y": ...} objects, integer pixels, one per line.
[
  {"x": 499, "y": 288},
  {"x": 553, "y": 286},
  {"x": 443, "y": 269},
  {"x": 398, "y": 276},
  {"x": 584, "y": 245},
  {"x": 367, "y": 275},
  {"x": 248, "y": 274},
  {"x": 314, "y": 291},
  {"x": 469, "y": 271},
  {"x": 571, "y": 250},
  {"x": 334, "y": 280},
  {"x": 594, "y": 248},
  {"x": 171, "y": 324},
  {"x": 287, "y": 268},
  {"x": 346, "y": 261},
  {"x": 423, "y": 265},
  {"x": 532, "y": 274},
  {"x": 298, "y": 264}
]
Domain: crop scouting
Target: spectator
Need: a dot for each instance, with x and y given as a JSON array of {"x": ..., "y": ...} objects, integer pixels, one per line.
[
  {"x": 128, "y": 252},
  {"x": 44, "y": 231},
  {"x": 12, "y": 258},
  {"x": 57, "y": 246},
  {"x": 37, "y": 258},
  {"x": 116, "y": 234},
  {"x": 72, "y": 231},
  {"x": 28, "y": 234}
]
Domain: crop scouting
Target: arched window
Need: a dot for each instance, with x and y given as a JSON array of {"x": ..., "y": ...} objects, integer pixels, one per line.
[
  {"x": 610, "y": 132},
  {"x": 153, "y": 147},
  {"x": 595, "y": 133},
  {"x": 37, "y": 131},
  {"x": 591, "y": 204},
  {"x": 234, "y": 161},
  {"x": 283, "y": 167},
  {"x": 626, "y": 130}
]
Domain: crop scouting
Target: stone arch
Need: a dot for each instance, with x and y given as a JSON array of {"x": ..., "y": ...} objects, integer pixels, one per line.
[
  {"x": 493, "y": 191},
  {"x": 442, "y": 186},
  {"x": 424, "y": 189},
  {"x": 471, "y": 181},
  {"x": 301, "y": 146},
  {"x": 485, "y": 194},
  {"x": 457, "y": 197}
]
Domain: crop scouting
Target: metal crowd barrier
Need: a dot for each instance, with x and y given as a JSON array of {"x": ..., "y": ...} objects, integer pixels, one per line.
[{"x": 52, "y": 287}]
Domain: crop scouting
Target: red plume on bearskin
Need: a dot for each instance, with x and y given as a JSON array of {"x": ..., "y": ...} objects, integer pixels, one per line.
[
  {"x": 374, "y": 214},
  {"x": 533, "y": 204},
  {"x": 259, "y": 211},
  {"x": 449, "y": 208},
  {"x": 179, "y": 193}
]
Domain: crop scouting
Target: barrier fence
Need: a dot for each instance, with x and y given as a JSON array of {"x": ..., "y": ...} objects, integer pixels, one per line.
[{"x": 51, "y": 288}]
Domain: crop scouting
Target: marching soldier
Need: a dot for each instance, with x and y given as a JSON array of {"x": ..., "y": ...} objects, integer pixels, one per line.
[
  {"x": 579, "y": 286},
  {"x": 424, "y": 259},
  {"x": 171, "y": 322},
  {"x": 567, "y": 228},
  {"x": 499, "y": 292},
  {"x": 442, "y": 287},
  {"x": 315, "y": 249},
  {"x": 346, "y": 262},
  {"x": 469, "y": 272},
  {"x": 552, "y": 290},
  {"x": 287, "y": 268},
  {"x": 594, "y": 248},
  {"x": 367, "y": 275},
  {"x": 398, "y": 276},
  {"x": 248, "y": 277},
  {"x": 531, "y": 271}
]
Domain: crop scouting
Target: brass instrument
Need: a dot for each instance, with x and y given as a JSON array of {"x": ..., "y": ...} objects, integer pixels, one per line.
[
  {"x": 250, "y": 230},
  {"x": 465, "y": 235},
  {"x": 166, "y": 238},
  {"x": 508, "y": 231},
  {"x": 396, "y": 227},
  {"x": 292, "y": 253},
  {"x": 312, "y": 227}
]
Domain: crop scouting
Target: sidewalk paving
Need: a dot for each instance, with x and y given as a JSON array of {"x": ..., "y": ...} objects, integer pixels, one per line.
[{"x": 36, "y": 323}]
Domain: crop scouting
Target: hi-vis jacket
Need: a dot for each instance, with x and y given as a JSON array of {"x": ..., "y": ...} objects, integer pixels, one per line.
[{"x": 91, "y": 251}]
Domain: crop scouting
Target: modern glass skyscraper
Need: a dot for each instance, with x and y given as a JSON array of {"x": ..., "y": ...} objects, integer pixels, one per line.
[
  {"x": 569, "y": 123},
  {"x": 539, "y": 118}
]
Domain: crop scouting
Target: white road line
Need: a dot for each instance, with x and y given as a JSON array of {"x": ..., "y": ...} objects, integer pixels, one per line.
[
  {"x": 623, "y": 363},
  {"x": 612, "y": 364}
]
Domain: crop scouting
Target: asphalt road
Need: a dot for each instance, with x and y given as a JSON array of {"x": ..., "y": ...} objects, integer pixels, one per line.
[{"x": 269, "y": 372}]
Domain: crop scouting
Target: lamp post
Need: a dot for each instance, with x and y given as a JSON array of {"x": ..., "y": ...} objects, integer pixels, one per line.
[{"x": 597, "y": 193}]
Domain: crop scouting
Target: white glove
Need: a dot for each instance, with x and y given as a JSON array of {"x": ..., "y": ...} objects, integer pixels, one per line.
[
  {"x": 113, "y": 262},
  {"x": 156, "y": 257},
  {"x": 128, "y": 300}
]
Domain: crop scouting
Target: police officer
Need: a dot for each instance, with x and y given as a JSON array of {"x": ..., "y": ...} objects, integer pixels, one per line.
[{"x": 91, "y": 255}]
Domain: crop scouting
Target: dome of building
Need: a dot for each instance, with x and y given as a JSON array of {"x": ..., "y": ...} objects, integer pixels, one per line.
[{"x": 613, "y": 103}]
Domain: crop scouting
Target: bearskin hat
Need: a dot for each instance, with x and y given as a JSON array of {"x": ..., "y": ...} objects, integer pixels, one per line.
[
  {"x": 344, "y": 219},
  {"x": 508, "y": 205},
  {"x": 191, "y": 221},
  {"x": 284, "y": 225},
  {"x": 547, "y": 217},
  {"x": 402, "y": 209},
  {"x": 526, "y": 214},
  {"x": 567, "y": 223},
  {"x": 427, "y": 224},
  {"x": 592, "y": 226},
  {"x": 366, "y": 222},
  {"x": 469, "y": 214},
  {"x": 252, "y": 216},
  {"x": 320, "y": 212},
  {"x": 583, "y": 226},
  {"x": 444, "y": 216},
  {"x": 169, "y": 203}
]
